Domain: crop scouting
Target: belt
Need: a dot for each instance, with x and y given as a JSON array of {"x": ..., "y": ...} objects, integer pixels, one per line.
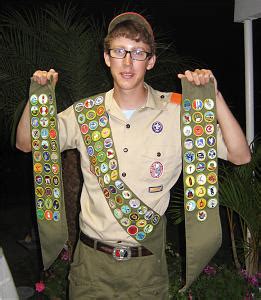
[{"x": 119, "y": 252}]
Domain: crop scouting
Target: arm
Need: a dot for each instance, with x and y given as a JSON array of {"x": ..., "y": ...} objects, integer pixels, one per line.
[
  {"x": 23, "y": 133},
  {"x": 236, "y": 143},
  {"x": 237, "y": 146}
]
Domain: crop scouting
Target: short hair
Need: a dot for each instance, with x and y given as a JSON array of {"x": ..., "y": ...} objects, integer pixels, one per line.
[{"x": 132, "y": 30}]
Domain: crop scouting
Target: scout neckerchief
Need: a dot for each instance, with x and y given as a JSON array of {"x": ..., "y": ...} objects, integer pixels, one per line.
[
  {"x": 50, "y": 207},
  {"x": 199, "y": 143},
  {"x": 134, "y": 216}
]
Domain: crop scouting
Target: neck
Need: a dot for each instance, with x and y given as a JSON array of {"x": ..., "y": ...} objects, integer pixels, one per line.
[{"x": 129, "y": 99}]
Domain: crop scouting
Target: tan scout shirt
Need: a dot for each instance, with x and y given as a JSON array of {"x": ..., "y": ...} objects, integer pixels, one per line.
[{"x": 140, "y": 149}]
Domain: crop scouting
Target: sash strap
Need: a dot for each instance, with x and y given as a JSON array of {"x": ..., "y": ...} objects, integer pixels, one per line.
[
  {"x": 199, "y": 143},
  {"x": 134, "y": 216},
  {"x": 49, "y": 197}
]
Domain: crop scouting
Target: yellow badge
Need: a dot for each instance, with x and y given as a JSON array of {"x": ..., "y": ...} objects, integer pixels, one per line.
[
  {"x": 38, "y": 168},
  {"x": 114, "y": 175},
  {"x": 39, "y": 191},
  {"x": 105, "y": 132},
  {"x": 212, "y": 178},
  {"x": 201, "y": 203},
  {"x": 190, "y": 181},
  {"x": 200, "y": 191}
]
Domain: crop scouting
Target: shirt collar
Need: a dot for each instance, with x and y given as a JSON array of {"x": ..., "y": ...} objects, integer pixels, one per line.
[{"x": 154, "y": 100}]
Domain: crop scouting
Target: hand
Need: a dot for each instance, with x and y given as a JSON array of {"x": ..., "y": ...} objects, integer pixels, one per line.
[
  {"x": 199, "y": 77},
  {"x": 42, "y": 77}
]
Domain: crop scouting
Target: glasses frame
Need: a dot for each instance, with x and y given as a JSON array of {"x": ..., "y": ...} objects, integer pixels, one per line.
[{"x": 148, "y": 54}]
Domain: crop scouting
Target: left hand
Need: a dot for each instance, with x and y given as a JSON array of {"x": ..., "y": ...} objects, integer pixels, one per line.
[{"x": 199, "y": 77}]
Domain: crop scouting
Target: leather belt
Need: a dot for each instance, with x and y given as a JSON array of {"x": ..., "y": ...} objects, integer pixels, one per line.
[{"x": 119, "y": 252}]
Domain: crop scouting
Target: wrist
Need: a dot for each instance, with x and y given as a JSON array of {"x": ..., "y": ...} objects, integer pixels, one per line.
[{"x": 218, "y": 94}]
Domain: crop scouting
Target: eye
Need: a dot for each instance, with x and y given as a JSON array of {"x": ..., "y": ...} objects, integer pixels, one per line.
[
  {"x": 119, "y": 51},
  {"x": 138, "y": 52}
]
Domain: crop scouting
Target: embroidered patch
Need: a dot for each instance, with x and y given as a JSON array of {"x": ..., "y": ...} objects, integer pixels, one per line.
[
  {"x": 43, "y": 99},
  {"x": 157, "y": 127},
  {"x": 190, "y": 205},
  {"x": 156, "y": 169},
  {"x": 202, "y": 215},
  {"x": 201, "y": 203},
  {"x": 197, "y": 104},
  {"x": 212, "y": 203},
  {"x": 155, "y": 189}
]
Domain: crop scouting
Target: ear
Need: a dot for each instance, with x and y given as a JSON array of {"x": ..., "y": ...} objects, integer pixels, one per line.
[
  {"x": 107, "y": 59},
  {"x": 151, "y": 62}
]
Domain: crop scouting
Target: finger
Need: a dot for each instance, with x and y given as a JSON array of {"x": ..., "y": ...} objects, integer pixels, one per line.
[
  {"x": 43, "y": 77},
  {"x": 52, "y": 74},
  {"x": 189, "y": 76},
  {"x": 207, "y": 74},
  {"x": 39, "y": 77},
  {"x": 201, "y": 76},
  {"x": 197, "y": 77},
  {"x": 181, "y": 76}
]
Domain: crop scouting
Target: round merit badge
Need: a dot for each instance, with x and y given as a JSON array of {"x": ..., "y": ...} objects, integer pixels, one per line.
[
  {"x": 197, "y": 104},
  {"x": 202, "y": 215},
  {"x": 190, "y": 205}
]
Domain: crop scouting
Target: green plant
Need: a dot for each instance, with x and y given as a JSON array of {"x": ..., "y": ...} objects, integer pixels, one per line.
[
  {"x": 54, "y": 282},
  {"x": 240, "y": 193},
  {"x": 215, "y": 282},
  {"x": 222, "y": 282}
]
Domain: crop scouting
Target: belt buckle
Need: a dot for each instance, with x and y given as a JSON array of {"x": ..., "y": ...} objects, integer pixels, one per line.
[{"x": 121, "y": 253}]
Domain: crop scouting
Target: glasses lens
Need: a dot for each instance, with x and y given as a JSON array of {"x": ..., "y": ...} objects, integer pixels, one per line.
[
  {"x": 138, "y": 55},
  {"x": 117, "y": 53},
  {"x": 135, "y": 54}
]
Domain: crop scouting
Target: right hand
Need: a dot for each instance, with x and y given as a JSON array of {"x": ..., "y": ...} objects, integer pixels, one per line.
[{"x": 41, "y": 77}]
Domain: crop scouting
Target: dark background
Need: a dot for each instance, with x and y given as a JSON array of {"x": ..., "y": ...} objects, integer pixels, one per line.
[{"x": 203, "y": 30}]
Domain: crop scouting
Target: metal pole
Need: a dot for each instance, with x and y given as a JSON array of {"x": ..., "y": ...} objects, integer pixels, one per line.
[
  {"x": 249, "y": 82},
  {"x": 249, "y": 93}
]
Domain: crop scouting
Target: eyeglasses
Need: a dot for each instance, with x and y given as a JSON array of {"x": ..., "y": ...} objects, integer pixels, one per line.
[{"x": 135, "y": 54}]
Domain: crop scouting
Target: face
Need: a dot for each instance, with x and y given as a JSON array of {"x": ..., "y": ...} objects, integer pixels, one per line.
[{"x": 128, "y": 74}]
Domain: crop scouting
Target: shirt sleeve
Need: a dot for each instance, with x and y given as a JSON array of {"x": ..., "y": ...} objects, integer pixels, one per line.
[
  {"x": 68, "y": 129},
  {"x": 221, "y": 146}
]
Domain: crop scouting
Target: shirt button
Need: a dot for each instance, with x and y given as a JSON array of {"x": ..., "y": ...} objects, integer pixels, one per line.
[
  {"x": 125, "y": 149},
  {"x": 158, "y": 154},
  {"x": 127, "y": 125},
  {"x": 123, "y": 174}
]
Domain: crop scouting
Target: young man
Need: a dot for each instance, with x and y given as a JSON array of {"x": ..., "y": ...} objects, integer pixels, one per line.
[{"x": 109, "y": 261}]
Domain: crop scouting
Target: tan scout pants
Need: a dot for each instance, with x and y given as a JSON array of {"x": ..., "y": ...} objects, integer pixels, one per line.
[{"x": 97, "y": 275}]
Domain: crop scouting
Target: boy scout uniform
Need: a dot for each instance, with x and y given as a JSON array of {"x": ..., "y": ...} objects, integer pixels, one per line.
[{"x": 148, "y": 147}]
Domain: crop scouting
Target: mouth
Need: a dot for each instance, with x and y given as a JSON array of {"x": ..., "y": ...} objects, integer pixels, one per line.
[{"x": 127, "y": 75}]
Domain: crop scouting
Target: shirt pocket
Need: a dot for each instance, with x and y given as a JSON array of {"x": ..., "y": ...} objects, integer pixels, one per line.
[{"x": 160, "y": 163}]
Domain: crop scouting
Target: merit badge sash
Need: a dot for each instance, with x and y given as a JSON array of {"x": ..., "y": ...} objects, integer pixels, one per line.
[
  {"x": 199, "y": 143},
  {"x": 134, "y": 216},
  {"x": 50, "y": 208}
]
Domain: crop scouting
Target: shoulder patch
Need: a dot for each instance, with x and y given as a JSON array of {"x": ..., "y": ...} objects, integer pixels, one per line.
[{"x": 175, "y": 98}]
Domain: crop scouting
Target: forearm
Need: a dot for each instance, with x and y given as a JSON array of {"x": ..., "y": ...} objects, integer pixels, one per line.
[
  {"x": 236, "y": 143},
  {"x": 23, "y": 133}
]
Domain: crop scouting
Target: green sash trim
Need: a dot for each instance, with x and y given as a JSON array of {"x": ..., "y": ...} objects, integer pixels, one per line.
[
  {"x": 49, "y": 196},
  {"x": 134, "y": 216},
  {"x": 200, "y": 176}
]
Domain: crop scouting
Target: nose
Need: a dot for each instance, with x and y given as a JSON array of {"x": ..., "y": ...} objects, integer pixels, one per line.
[{"x": 127, "y": 59}]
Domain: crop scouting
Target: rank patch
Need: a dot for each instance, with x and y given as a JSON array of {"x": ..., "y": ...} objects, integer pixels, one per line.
[{"x": 155, "y": 189}]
